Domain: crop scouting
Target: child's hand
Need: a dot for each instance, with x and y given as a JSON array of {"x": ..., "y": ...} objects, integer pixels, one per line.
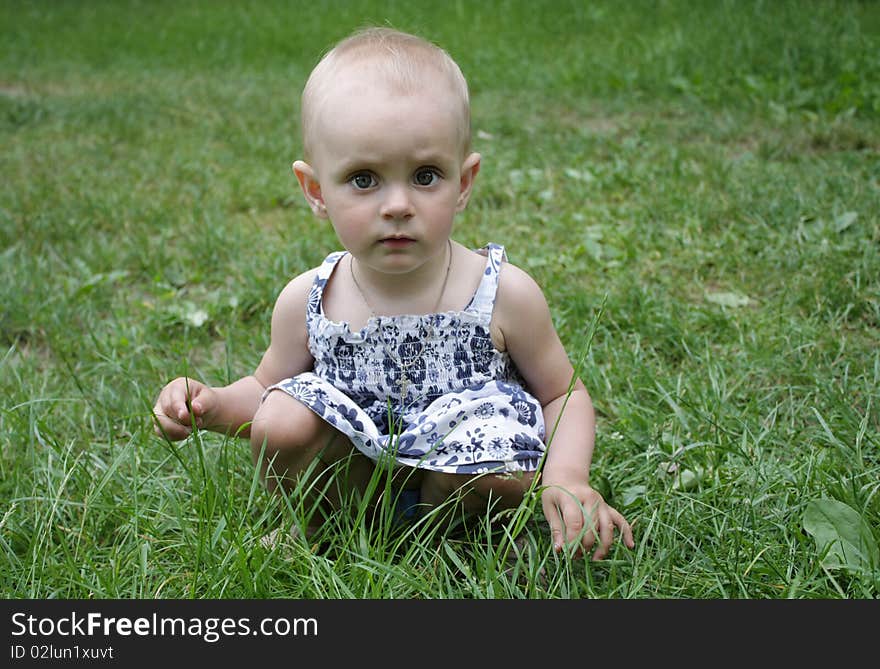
[
  {"x": 182, "y": 402},
  {"x": 573, "y": 509}
]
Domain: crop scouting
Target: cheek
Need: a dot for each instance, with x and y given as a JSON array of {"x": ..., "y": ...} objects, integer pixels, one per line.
[
  {"x": 439, "y": 202},
  {"x": 347, "y": 210},
  {"x": 448, "y": 207},
  {"x": 351, "y": 221}
]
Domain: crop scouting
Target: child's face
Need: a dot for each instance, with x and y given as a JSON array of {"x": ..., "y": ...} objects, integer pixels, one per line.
[{"x": 389, "y": 171}]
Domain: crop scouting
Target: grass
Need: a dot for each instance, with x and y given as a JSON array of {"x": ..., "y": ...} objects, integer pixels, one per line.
[{"x": 706, "y": 171}]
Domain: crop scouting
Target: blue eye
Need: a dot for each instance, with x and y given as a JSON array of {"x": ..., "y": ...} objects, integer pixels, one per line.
[
  {"x": 362, "y": 181},
  {"x": 426, "y": 176}
]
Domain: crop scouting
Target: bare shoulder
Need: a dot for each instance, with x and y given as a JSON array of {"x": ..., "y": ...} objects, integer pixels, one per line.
[
  {"x": 521, "y": 309},
  {"x": 526, "y": 324},
  {"x": 518, "y": 291},
  {"x": 296, "y": 293},
  {"x": 288, "y": 353},
  {"x": 289, "y": 313}
]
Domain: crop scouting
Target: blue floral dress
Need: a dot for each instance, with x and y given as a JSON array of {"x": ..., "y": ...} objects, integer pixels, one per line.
[{"x": 427, "y": 391}]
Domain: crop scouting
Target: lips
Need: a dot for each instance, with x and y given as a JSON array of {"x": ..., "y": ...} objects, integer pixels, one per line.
[{"x": 397, "y": 242}]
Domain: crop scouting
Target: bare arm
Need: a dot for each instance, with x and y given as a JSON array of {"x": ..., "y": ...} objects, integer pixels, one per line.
[
  {"x": 570, "y": 420},
  {"x": 185, "y": 403},
  {"x": 526, "y": 330},
  {"x": 575, "y": 511},
  {"x": 229, "y": 409}
]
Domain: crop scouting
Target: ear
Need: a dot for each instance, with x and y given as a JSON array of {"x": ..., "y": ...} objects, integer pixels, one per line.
[
  {"x": 469, "y": 169},
  {"x": 311, "y": 187}
]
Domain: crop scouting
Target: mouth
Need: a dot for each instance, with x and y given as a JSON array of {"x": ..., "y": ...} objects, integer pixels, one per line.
[{"x": 397, "y": 241}]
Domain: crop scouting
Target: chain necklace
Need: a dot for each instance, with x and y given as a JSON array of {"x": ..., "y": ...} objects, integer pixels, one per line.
[{"x": 404, "y": 362}]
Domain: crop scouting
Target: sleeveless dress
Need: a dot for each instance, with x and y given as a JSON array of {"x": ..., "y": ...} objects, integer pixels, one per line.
[{"x": 428, "y": 391}]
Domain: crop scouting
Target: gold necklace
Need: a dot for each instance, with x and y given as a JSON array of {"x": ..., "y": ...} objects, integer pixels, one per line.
[{"x": 411, "y": 359}]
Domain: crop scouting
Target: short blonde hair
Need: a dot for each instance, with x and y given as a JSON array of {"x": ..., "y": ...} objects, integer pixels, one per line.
[{"x": 401, "y": 59}]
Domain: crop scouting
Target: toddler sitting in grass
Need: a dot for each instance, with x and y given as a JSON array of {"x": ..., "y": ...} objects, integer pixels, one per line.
[{"x": 407, "y": 349}]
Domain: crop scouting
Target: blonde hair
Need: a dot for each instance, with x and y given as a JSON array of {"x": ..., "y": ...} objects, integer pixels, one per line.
[{"x": 402, "y": 61}]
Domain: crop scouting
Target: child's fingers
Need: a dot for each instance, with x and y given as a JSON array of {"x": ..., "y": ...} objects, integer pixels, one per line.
[
  {"x": 567, "y": 524},
  {"x": 197, "y": 405},
  {"x": 182, "y": 396},
  {"x": 625, "y": 530},
  {"x": 578, "y": 529},
  {"x": 172, "y": 430},
  {"x": 611, "y": 519},
  {"x": 199, "y": 399},
  {"x": 201, "y": 404},
  {"x": 581, "y": 527},
  {"x": 178, "y": 405},
  {"x": 180, "y": 408},
  {"x": 167, "y": 410},
  {"x": 166, "y": 426},
  {"x": 606, "y": 534},
  {"x": 554, "y": 518},
  {"x": 592, "y": 528}
]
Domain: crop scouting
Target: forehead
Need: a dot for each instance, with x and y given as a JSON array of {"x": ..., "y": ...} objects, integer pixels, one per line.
[{"x": 367, "y": 112}]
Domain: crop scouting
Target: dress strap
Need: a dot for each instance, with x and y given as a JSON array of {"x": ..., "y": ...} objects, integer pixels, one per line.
[
  {"x": 483, "y": 300},
  {"x": 316, "y": 294}
]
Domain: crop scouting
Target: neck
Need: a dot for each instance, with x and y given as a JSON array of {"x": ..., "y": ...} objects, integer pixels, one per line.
[{"x": 419, "y": 291}]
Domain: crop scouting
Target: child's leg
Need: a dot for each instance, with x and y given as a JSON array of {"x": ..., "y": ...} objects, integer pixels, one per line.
[
  {"x": 287, "y": 436},
  {"x": 476, "y": 492}
]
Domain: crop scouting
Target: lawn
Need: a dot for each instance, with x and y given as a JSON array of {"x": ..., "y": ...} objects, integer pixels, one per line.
[{"x": 696, "y": 185}]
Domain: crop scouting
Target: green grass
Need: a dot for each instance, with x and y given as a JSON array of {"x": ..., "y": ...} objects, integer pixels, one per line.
[{"x": 707, "y": 171}]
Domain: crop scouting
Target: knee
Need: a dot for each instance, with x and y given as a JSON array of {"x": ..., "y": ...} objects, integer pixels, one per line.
[
  {"x": 507, "y": 489},
  {"x": 479, "y": 491},
  {"x": 282, "y": 425}
]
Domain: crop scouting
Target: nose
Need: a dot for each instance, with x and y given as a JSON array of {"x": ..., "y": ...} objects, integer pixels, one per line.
[{"x": 397, "y": 204}]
